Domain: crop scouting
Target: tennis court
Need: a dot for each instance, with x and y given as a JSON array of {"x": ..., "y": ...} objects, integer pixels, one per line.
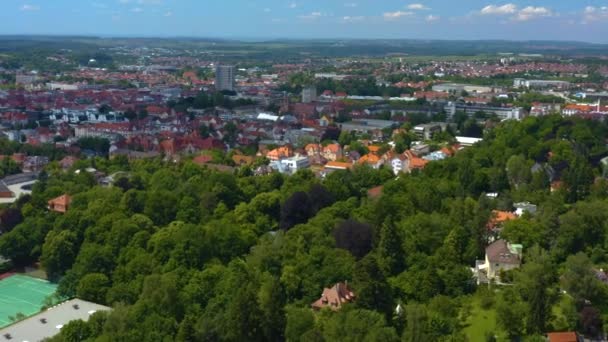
[{"x": 22, "y": 294}]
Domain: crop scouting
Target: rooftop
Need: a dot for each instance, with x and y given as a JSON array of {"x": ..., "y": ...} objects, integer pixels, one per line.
[
  {"x": 562, "y": 337},
  {"x": 48, "y": 323},
  {"x": 501, "y": 252}
]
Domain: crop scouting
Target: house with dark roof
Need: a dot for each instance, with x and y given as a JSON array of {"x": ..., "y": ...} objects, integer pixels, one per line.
[
  {"x": 334, "y": 297},
  {"x": 500, "y": 256}
]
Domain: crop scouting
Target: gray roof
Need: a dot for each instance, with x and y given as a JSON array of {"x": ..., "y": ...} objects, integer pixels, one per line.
[
  {"x": 33, "y": 329},
  {"x": 20, "y": 178}
]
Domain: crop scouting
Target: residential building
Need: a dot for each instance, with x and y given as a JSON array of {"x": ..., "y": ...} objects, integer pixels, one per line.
[
  {"x": 313, "y": 150},
  {"x": 241, "y": 160},
  {"x": 398, "y": 163},
  {"x": 498, "y": 219},
  {"x": 34, "y": 163},
  {"x": 564, "y": 337},
  {"x": 335, "y": 297},
  {"x": 294, "y": 164},
  {"x": 280, "y": 153},
  {"x": 372, "y": 160},
  {"x": 67, "y": 162},
  {"x": 542, "y": 109},
  {"x": 500, "y": 256},
  {"x": 584, "y": 108},
  {"x": 60, "y": 204},
  {"x": 324, "y": 121},
  {"x": 336, "y": 166},
  {"x": 26, "y": 79},
  {"x": 524, "y": 207},
  {"x": 332, "y": 152},
  {"x": 224, "y": 77},
  {"x": 413, "y": 162},
  {"x": 427, "y": 131}
]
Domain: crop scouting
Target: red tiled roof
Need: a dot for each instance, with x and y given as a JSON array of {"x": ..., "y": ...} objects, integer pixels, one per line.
[
  {"x": 338, "y": 165},
  {"x": 375, "y": 192},
  {"x": 334, "y": 297},
  {"x": 200, "y": 160},
  {"x": 60, "y": 204},
  {"x": 562, "y": 337},
  {"x": 499, "y": 217}
]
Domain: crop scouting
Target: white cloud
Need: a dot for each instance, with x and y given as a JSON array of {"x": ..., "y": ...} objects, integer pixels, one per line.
[
  {"x": 27, "y": 7},
  {"x": 431, "y": 18},
  {"x": 168, "y": 14},
  {"x": 293, "y": 5},
  {"x": 417, "y": 7},
  {"x": 591, "y": 14},
  {"x": 351, "y": 4},
  {"x": 137, "y": 10},
  {"x": 517, "y": 14},
  {"x": 500, "y": 10},
  {"x": 396, "y": 15},
  {"x": 531, "y": 12},
  {"x": 267, "y": 10},
  {"x": 99, "y": 5},
  {"x": 312, "y": 16},
  {"x": 351, "y": 19}
]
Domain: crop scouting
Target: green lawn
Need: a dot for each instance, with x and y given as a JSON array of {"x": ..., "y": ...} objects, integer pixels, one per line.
[{"x": 481, "y": 322}]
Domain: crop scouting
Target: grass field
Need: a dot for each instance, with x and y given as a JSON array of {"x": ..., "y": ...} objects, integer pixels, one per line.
[
  {"x": 482, "y": 322},
  {"x": 22, "y": 294}
]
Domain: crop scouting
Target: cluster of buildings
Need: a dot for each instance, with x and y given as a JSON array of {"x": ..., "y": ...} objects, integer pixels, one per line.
[{"x": 134, "y": 107}]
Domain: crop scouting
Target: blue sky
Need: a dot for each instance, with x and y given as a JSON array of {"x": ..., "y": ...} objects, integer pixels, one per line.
[{"x": 581, "y": 20}]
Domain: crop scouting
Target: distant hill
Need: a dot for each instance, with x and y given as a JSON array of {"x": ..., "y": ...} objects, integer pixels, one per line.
[{"x": 322, "y": 48}]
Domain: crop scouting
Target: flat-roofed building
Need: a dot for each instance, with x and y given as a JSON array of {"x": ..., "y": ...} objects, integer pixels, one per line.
[
  {"x": 50, "y": 322},
  {"x": 366, "y": 125},
  {"x": 12, "y": 187},
  {"x": 458, "y": 87},
  {"x": 427, "y": 131},
  {"x": 540, "y": 84},
  {"x": 503, "y": 113}
]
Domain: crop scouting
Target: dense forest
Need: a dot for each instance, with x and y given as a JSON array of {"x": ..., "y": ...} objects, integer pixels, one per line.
[{"x": 191, "y": 254}]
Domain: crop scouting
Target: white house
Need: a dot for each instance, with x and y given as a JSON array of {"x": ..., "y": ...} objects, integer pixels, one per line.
[
  {"x": 500, "y": 256},
  {"x": 398, "y": 164}
]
